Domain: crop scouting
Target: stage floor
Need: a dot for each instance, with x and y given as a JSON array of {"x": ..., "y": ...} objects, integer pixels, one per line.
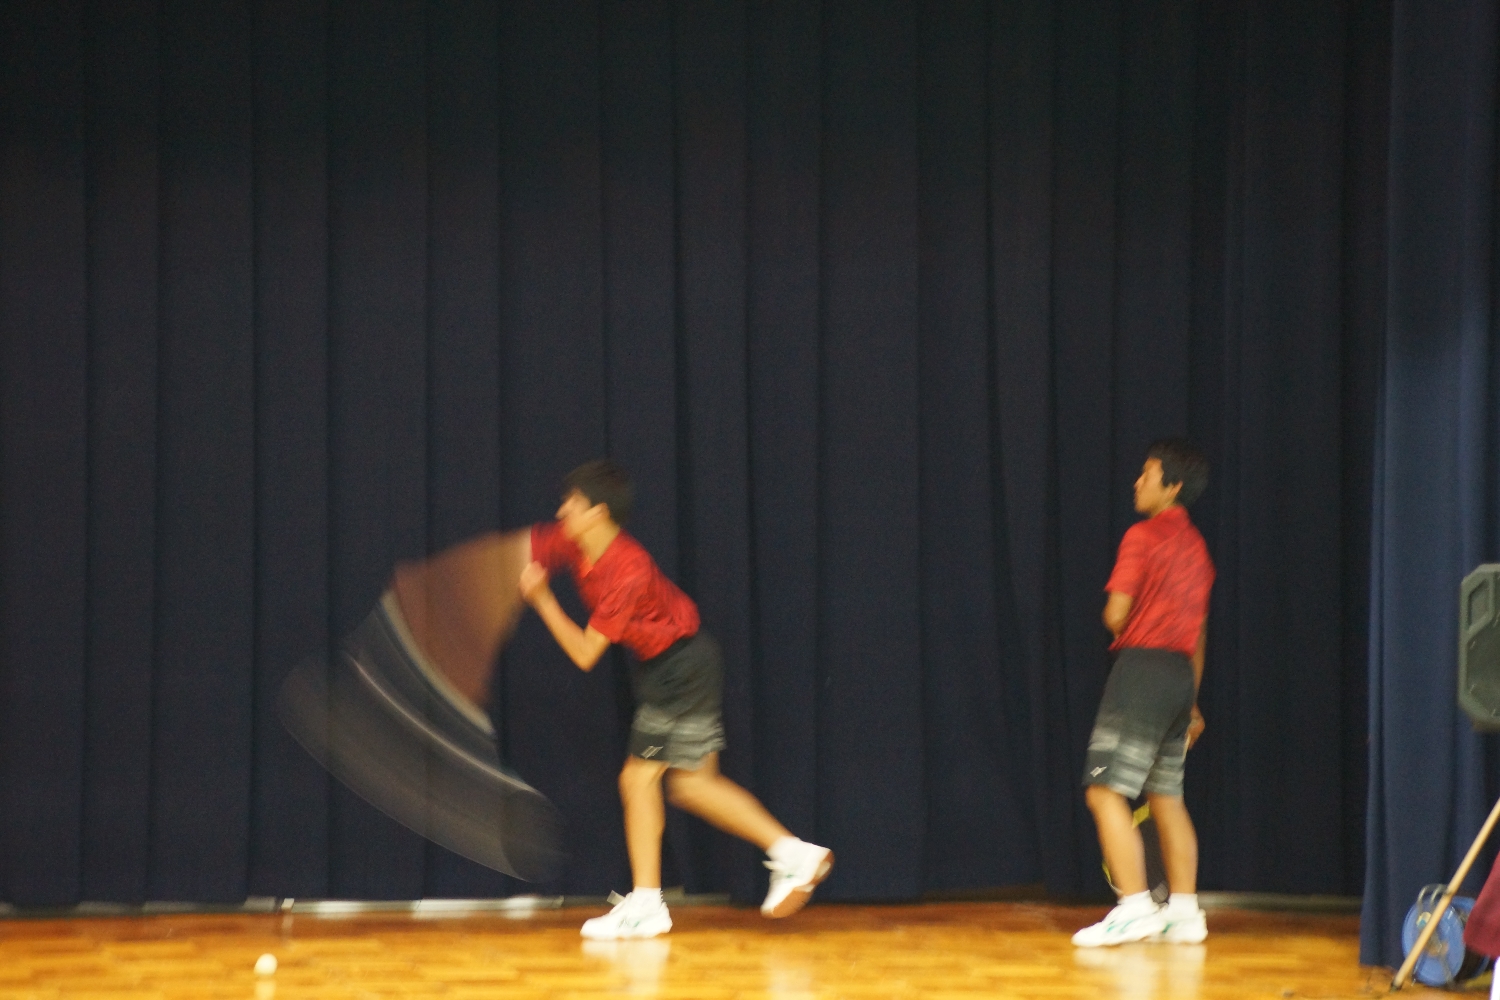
[{"x": 945, "y": 950}]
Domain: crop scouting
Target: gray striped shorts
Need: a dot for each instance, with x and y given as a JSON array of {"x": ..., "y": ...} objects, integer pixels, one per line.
[
  {"x": 1139, "y": 740},
  {"x": 678, "y": 696}
]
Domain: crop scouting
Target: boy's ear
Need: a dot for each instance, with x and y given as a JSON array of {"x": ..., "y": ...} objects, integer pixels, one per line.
[{"x": 1175, "y": 489}]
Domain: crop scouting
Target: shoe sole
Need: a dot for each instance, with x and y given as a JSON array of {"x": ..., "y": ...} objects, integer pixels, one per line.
[
  {"x": 1118, "y": 941},
  {"x": 1132, "y": 938},
  {"x": 623, "y": 937},
  {"x": 798, "y": 897}
]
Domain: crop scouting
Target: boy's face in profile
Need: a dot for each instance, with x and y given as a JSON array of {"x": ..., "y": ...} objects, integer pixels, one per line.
[
  {"x": 577, "y": 515},
  {"x": 1151, "y": 497}
]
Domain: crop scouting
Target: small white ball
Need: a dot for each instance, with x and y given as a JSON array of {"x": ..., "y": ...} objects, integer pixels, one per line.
[{"x": 265, "y": 965}]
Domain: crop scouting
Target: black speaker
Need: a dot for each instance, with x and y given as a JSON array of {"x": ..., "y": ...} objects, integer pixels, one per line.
[{"x": 1479, "y": 647}]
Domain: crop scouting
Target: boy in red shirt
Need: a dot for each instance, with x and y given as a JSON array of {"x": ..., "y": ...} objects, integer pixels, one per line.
[
  {"x": 678, "y": 683},
  {"x": 1148, "y": 717}
]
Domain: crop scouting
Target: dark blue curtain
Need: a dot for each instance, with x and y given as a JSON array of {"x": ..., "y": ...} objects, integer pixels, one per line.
[
  {"x": 880, "y": 301},
  {"x": 1437, "y": 474}
]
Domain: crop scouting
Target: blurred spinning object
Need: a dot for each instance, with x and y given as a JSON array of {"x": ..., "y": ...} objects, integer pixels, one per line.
[{"x": 397, "y": 718}]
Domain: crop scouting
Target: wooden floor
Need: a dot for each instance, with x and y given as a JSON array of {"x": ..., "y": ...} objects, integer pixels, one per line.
[{"x": 948, "y": 950}]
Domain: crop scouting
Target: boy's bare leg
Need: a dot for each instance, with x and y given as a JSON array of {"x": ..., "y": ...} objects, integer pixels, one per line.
[
  {"x": 706, "y": 793},
  {"x": 645, "y": 818},
  {"x": 641, "y": 914},
  {"x": 1179, "y": 841},
  {"x": 1119, "y": 839}
]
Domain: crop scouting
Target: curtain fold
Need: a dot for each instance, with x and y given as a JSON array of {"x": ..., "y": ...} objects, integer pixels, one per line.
[{"x": 1435, "y": 502}]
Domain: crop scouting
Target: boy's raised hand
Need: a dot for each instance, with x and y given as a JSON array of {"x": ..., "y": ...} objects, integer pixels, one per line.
[{"x": 533, "y": 581}]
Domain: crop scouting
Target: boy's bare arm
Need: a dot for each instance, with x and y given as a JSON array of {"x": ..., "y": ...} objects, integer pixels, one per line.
[
  {"x": 1196, "y": 725},
  {"x": 1198, "y": 658},
  {"x": 584, "y": 646},
  {"x": 1117, "y": 612}
]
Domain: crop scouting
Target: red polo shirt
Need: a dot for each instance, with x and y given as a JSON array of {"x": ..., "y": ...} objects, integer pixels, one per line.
[
  {"x": 630, "y": 600},
  {"x": 1164, "y": 566}
]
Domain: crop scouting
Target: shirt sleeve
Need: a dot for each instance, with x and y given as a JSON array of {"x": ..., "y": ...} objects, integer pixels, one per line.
[
  {"x": 1130, "y": 563},
  {"x": 615, "y": 610},
  {"x": 550, "y": 547}
]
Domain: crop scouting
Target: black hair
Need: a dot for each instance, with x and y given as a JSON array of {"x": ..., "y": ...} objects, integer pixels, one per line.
[
  {"x": 603, "y": 481},
  {"x": 1181, "y": 463}
]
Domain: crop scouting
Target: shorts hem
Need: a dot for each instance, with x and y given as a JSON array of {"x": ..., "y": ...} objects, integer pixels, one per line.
[
  {"x": 1175, "y": 794},
  {"x": 677, "y": 758},
  {"x": 1121, "y": 788}
]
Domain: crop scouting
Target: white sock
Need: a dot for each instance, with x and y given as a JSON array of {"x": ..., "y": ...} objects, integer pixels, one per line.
[
  {"x": 1183, "y": 902},
  {"x": 784, "y": 849},
  {"x": 1495, "y": 988},
  {"x": 1138, "y": 901},
  {"x": 646, "y": 896}
]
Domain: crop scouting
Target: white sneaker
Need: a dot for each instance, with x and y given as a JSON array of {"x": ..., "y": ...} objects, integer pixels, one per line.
[
  {"x": 794, "y": 879},
  {"x": 1121, "y": 925},
  {"x": 1182, "y": 929},
  {"x": 632, "y": 917}
]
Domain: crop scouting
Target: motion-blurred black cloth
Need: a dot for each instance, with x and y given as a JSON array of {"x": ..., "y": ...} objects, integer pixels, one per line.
[{"x": 387, "y": 725}]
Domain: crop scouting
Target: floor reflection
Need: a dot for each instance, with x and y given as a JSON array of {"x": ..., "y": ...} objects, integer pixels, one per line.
[
  {"x": 641, "y": 962},
  {"x": 1145, "y": 971},
  {"x": 789, "y": 975}
]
